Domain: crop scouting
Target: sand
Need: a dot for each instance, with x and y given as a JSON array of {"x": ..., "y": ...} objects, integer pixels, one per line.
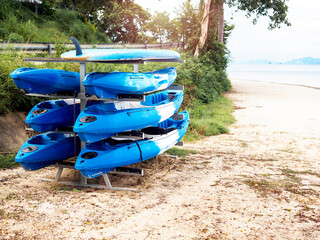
[{"x": 261, "y": 181}]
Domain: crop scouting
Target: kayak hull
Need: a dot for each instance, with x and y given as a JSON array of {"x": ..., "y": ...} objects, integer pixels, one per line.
[
  {"x": 101, "y": 157},
  {"x": 46, "y": 81},
  {"x": 111, "y": 85},
  {"x": 46, "y": 149},
  {"x": 49, "y": 115},
  {"x": 112, "y": 118}
]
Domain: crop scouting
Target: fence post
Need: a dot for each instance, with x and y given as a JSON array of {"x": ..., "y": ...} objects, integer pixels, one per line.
[{"x": 49, "y": 49}]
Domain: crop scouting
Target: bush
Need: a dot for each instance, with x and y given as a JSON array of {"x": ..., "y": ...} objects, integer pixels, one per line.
[
  {"x": 15, "y": 37},
  {"x": 7, "y": 161},
  {"x": 56, "y": 25},
  {"x": 10, "y": 97}
]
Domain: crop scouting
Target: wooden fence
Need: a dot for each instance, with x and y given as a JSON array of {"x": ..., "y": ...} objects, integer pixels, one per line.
[{"x": 50, "y": 47}]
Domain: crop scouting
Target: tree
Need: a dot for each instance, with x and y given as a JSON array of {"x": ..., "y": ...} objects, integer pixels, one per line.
[
  {"x": 213, "y": 18},
  {"x": 190, "y": 25},
  {"x": 162, "y": 28},
  {"x": 123, "y": 20}
]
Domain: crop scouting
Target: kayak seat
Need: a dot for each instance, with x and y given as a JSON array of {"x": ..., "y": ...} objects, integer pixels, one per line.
[
  {"x": 61, "y": 103},
  {"x": 157, "y": 130},
  {"x": 155, "y": 98},
  {"x": 56, "y": 136},
  {"x": 114, "y": 142},
  {"x": 172, "y": 96},
  {"x": 37, "y": 140},
  {"x": 45, "y": 105}
]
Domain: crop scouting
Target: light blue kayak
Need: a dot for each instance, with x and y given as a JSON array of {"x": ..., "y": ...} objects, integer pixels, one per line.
[
  {"x": 120, "y": 54},
  {"x": 101, "y": 157},
  {"x": 101, "y": 121},
  {"x": 46, "y": 81},
  {"x": 46, "y": 149},
  {"x": 111, "y": 85}
]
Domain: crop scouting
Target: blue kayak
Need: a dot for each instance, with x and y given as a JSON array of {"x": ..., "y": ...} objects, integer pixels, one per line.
[
  {"x": 101, "y": 157},
  {"x": 111, "y": 85},
  {"x": 101, "y": 121},
  {"x": 46, "y": 149},
  {"x": 50, "y": 115},
  {"x": 46, "y": 81}
]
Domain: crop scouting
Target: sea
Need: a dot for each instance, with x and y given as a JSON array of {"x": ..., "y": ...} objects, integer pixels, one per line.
[{"x": 304, "y": 75}]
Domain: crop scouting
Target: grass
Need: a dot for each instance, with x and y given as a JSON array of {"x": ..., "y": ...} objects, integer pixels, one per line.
[
  {"x": 7, "y": 160},
  {"x": 264, "y": 187},
  {"x": 18, "y": 23},
  {"x": 210, "y": 119},
  {"x": 291, "y": 183},
  {"x": 180, "y": 152}
]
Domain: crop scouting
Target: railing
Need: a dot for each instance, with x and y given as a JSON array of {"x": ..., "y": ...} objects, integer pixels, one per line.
[{"x": 50, "y": 47}]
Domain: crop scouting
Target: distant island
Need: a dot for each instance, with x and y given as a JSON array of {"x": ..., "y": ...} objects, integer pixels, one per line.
[{"x": 299, "y": 61}]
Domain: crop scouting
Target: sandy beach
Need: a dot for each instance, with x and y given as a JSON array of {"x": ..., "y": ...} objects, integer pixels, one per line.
[{"x": 261, "y": 181}]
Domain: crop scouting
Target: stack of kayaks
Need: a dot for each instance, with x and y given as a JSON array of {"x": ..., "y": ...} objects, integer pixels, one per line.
[{"x": 117, "y": 133}]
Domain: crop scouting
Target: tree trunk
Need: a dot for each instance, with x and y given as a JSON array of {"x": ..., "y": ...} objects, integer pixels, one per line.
[
  {"x": 217, "y": 24},
  {"x": 204, "y": 27},
  {"x": 220, "y": 14},
  {"x": 74, "y": 5}
]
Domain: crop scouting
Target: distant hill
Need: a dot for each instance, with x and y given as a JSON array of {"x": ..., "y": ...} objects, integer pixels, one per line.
[
  {"x": 299, "y": 61},
  {"x": 306, "y": 60}
]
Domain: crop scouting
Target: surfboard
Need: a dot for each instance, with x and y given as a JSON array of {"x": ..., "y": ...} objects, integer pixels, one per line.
[{"x": 121, "y": 54}]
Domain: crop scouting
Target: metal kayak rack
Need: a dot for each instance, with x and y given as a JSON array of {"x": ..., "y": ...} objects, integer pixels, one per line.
[{"x": 83, "y": 96}]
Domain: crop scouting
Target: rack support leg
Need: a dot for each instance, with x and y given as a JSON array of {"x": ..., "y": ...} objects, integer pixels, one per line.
[{"x": 57, "y": 178}]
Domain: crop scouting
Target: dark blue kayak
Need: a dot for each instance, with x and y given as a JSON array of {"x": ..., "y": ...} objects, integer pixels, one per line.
[
  {"x": 101, "y": 121},
  {"x": 46, "y": 149},
  {"x": 115, "y": 84},
  {"x": 101, "y": 157},
  {"x": 46, "y": 81},
  {"x": 50, "y": 115}
]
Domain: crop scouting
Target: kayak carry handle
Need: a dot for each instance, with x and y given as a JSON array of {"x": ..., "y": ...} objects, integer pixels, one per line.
[{"x": 77, "y": 45}]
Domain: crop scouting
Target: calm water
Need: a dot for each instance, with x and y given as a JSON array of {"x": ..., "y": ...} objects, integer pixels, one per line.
[{"x": 307, "y": 75}]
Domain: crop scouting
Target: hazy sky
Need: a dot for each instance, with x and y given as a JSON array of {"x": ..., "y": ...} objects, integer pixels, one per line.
[{"x": 250, "y": 41}]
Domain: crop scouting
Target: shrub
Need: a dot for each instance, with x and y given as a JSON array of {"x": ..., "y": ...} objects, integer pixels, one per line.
[
  {"x": 55, "y": 25},
  {"x": 15, "y": 37}
]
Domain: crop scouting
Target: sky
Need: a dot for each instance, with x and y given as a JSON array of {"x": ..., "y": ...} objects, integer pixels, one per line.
[{"x": 251, "y": 42}]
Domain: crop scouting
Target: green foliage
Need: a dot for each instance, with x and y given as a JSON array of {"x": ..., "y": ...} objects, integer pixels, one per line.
[
  {"x": 15, "y": 37},
  {"x": 202, "y": 79},
  {"x": 10, "y": 97},
  {"x": 180, "y": 152},
  {"x": 123, "y": 21},
  {"x": 276, "y": 10},
  {"x": 190, "y": 25},
  {"x": 162, "y": 28},
  {"x": 20, "y": 24},
  {"x": 7, "y": 161},
  {"x": 209, "y": 119}
]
